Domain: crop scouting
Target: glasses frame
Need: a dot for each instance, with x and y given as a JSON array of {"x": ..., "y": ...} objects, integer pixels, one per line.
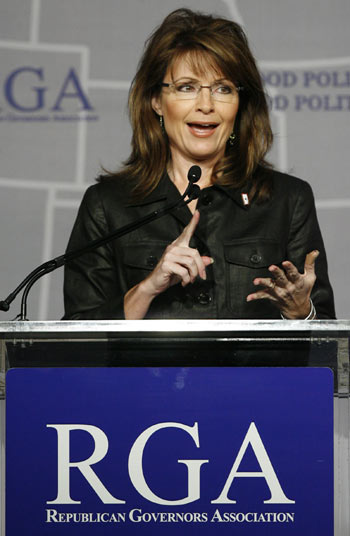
[{"x": 172, "y": 85}]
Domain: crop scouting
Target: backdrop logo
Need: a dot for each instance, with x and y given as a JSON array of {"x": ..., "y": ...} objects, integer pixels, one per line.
[{"x": 28, "y": 96}]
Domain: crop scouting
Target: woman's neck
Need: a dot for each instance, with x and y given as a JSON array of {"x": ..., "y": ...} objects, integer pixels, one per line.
[{"x": 179, "y": 168}]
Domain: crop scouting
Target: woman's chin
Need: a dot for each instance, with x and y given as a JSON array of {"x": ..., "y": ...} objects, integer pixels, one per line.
[
  {"x": 203, "y": 156},
  {"x": 204, "y": 151}
]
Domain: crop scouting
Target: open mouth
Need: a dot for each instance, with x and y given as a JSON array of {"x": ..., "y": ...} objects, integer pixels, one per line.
[{"x": 202, "y": 128}]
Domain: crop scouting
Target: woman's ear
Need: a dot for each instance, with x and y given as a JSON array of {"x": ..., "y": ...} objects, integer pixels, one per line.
[{"x": 156, "y": 105}]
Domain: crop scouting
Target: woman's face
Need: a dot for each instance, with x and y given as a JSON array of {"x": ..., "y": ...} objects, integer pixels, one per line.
[{"x": 198, "y": 128}]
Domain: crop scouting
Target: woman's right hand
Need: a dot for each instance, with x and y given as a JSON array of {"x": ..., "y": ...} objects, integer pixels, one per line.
[{"x": 178, "y": 264}]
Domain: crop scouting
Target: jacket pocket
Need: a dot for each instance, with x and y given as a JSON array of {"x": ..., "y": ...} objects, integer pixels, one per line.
[
  {"x": 244, "y": 261},
  {"x": 140, "y": 259}
]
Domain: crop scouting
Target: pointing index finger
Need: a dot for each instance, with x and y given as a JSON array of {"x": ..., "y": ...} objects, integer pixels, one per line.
[{"x": 187, "y": 233}]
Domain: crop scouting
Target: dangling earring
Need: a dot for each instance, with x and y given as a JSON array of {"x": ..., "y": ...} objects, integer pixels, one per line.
[
  {"x": 232, "y": 138},
  {"x": 161, "y": 122}
]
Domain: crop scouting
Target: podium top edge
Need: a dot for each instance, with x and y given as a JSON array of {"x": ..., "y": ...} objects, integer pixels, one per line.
[{"x": 174, "y": 327}]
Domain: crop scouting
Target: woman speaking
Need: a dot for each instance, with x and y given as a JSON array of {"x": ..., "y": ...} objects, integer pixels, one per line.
[{"x": 250, "y": 246}]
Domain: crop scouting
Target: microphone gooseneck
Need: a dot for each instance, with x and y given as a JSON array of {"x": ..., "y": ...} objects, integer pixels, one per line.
[{"x": 192, "y": 192}]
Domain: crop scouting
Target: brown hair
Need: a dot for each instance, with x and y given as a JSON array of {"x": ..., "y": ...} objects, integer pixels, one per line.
[{"x": 223, "y": 44}]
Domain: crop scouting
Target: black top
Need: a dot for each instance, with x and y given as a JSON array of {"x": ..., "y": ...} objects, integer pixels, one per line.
[{"x": 243, "y": 240}]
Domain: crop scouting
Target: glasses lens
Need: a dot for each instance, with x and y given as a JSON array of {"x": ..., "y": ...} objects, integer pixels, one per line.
[
  {"x": 219, "y": 91},
  {"x": 186, "y": 90},
  {"x": 224, "y": 92}
]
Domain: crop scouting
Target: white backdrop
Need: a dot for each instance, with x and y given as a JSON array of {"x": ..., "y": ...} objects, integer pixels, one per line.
[{"x": 65, "y": 71}]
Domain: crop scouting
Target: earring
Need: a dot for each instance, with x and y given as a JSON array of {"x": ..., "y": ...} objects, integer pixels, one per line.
[
  {"x": 161, "y": 122},
  {"x": 232, "y": 138}
]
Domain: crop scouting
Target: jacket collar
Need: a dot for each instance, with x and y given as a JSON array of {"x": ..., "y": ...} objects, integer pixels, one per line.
[
  {"x": 160, "y": 193},
  {"x": 167, "y": 191},
  {"x": 164, "y": 194}
]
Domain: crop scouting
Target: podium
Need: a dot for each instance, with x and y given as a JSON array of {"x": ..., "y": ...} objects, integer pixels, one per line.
[{"x": 232, "y": 395}]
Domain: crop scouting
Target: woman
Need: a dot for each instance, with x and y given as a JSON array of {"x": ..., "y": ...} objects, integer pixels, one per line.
[{"x": 248, "y": 247}]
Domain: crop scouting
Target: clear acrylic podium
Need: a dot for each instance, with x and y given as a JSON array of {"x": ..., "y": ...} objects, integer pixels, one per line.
[{"x": 196, "y": 343}]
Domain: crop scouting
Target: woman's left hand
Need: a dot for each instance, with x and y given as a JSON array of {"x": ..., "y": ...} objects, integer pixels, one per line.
[{"x": 288, "y": 289}]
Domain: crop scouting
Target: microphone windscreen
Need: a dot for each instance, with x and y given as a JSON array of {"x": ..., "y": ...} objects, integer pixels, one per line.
[
  {"x": 4, "y": 306},
  {"x": 194, "y": 174},
  {"x": 195, "y": 192}
]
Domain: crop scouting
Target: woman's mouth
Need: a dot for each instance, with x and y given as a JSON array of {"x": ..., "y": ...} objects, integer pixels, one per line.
[{"x": 202, "y": 129}]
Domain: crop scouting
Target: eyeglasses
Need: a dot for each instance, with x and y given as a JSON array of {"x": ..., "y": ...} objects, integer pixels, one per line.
[{"x": 219, "y": 91}]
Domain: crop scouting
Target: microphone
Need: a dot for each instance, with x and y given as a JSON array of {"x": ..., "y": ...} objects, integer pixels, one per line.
[
  {"x": 194, "y": 193},
  {"x": 193, "y": 190},
  {"x": 4, "y": 306},
  {"x": 194, "y": 174}
]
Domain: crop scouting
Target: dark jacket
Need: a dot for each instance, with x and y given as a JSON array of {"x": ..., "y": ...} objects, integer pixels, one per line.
[{"x": 243, "y": 240}]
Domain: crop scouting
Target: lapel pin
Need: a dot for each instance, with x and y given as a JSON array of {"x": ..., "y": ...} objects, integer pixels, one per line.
[{"x": 245, "y": 199}]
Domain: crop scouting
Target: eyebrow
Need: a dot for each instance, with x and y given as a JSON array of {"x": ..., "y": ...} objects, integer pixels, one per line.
[{"x": 190, "y": 79}]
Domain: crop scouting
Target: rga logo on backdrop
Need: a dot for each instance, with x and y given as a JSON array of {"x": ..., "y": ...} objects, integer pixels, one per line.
[
  {"x": 29, "y": 96},
  {"x": 192, "y": 485}
]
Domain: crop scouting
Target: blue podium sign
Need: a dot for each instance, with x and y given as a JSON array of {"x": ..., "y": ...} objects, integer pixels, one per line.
[{"x": 169, "y": 451}]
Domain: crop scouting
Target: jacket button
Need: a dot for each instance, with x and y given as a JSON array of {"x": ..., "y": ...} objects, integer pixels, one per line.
[
  {"x": 203, "y": 298},
  {"x": 151, "y": 261},
  {"x": 206, "y": 199},
  {"x": 255, "y": 258}
]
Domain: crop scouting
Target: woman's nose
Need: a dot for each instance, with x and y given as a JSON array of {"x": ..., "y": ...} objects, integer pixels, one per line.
[{"x": 205, "y": 101}]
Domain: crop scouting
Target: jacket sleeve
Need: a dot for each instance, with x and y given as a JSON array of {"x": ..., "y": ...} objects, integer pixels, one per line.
[
  {"x": 91, "y": 286},
  {"x": 304, "y": 237}
]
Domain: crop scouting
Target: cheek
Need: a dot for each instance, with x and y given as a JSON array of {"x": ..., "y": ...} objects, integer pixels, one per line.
[
  {"x": 234, "y": 114},
  {"x": 176, "y": 111},
  {"x": 228, "y": 117}
]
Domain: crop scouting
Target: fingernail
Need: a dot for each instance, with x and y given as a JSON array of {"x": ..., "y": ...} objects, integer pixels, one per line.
[
  {"x": 211, "y": 260},
  {"x": 204, "y": 275}
]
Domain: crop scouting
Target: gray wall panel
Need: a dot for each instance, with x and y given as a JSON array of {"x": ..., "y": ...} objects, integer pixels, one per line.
[
  {"x": 32, "y": 143},
  {"x": 22, "y": 218},
  {"x": 15, "y": 18},
  {"x": 334, "y": 224},
  {"x": 294, "y": 29},
  {"x": 318, "y": 152},
  {"x": 116, "y": 49},
  {"x": 108, "y": 140}
]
